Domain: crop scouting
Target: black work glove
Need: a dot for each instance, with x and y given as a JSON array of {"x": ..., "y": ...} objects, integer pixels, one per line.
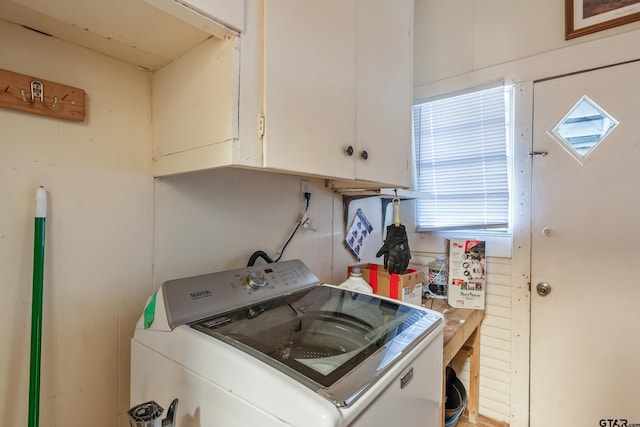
[{"x": 395, "y": 250}]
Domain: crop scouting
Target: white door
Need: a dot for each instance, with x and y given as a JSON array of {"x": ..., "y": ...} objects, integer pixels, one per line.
[{"x": 585, "y": 332}]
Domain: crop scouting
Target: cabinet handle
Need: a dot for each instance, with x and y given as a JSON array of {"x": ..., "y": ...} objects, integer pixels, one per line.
[
  {"x": 364, "y": 155},
  {"x": 349, "y": 151}
]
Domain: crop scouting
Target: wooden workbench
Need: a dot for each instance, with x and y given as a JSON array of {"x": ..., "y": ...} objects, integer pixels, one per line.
[{"x": 461, "y": 333}]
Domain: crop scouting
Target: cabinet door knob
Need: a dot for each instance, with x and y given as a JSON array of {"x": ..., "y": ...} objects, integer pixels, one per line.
[
  {"x": 349, "y": 150},
  {"x": 364, "y": 155}
]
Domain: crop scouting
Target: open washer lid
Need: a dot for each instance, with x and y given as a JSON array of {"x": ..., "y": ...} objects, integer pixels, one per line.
[{"x": 335, "y": 341}]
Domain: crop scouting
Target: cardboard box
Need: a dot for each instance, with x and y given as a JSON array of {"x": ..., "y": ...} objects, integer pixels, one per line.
[
  {"x": 466, "y": 261},
  {"x": 405, "y": 287}
]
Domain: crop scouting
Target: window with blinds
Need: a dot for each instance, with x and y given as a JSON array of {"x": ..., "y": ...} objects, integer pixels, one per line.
[{"x": 463, "y": 145}]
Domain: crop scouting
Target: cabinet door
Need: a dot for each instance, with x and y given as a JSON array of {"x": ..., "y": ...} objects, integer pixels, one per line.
[
  {"x": 384, "y": 92},
  {"x": 310, "y": 60}
]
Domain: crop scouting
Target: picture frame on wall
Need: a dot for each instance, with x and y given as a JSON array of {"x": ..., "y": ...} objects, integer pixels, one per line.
[{"x": 589, "y": 16}]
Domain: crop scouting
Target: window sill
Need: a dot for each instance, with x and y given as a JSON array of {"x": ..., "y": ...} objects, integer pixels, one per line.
[{"x": 499, "y": 244}]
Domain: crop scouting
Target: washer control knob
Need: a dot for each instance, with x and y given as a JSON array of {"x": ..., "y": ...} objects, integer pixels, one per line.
[{"x": 256, "y": 279}]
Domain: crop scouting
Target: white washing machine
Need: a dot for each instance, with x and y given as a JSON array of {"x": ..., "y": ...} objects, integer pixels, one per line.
[{"x": 270, "y": 345}]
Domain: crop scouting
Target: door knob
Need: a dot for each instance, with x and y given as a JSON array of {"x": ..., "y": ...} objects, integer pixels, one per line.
[{"x": 543, "y": 289}]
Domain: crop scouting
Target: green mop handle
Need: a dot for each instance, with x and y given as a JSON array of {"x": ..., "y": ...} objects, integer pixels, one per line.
[{"x": 36, "y": 306}]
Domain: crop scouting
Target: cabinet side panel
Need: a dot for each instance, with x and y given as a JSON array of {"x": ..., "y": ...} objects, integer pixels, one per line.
[{"x": 193, "y": 101}]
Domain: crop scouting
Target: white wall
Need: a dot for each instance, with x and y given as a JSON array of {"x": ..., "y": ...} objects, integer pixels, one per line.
[
  {"x": 463, "y": 43},
  {"x": 214, "y": 220},
  {"x": 98, "y": 254}
]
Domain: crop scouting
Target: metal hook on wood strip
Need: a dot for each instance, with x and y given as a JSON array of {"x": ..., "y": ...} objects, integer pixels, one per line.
[{"x": 37, "y": 91}]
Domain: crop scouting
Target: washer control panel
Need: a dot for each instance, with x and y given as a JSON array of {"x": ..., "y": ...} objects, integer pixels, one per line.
[{"x": 194, "y": 298}]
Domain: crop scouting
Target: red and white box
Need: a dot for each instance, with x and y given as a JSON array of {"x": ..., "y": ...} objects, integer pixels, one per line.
[{"x": 405, "y": 287}]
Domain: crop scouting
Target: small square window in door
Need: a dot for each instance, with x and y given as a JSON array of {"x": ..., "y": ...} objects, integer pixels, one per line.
[{"x": 584, "y": 127}]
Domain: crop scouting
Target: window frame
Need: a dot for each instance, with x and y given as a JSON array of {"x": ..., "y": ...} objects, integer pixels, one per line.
[{"x": 500, "y": 239}]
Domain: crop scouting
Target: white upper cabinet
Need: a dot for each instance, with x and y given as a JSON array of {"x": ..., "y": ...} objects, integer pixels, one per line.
[
  {"x": 338, "y": 89},
  {"x": 332, "y": 80},
  {"x": 205, "y": 111}
]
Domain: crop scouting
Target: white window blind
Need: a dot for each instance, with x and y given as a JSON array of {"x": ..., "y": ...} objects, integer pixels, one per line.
[{"x": 461, "y": 157}]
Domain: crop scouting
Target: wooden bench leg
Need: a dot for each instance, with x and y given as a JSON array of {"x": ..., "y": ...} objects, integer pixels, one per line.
[{"x": 474, "y": 377}]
